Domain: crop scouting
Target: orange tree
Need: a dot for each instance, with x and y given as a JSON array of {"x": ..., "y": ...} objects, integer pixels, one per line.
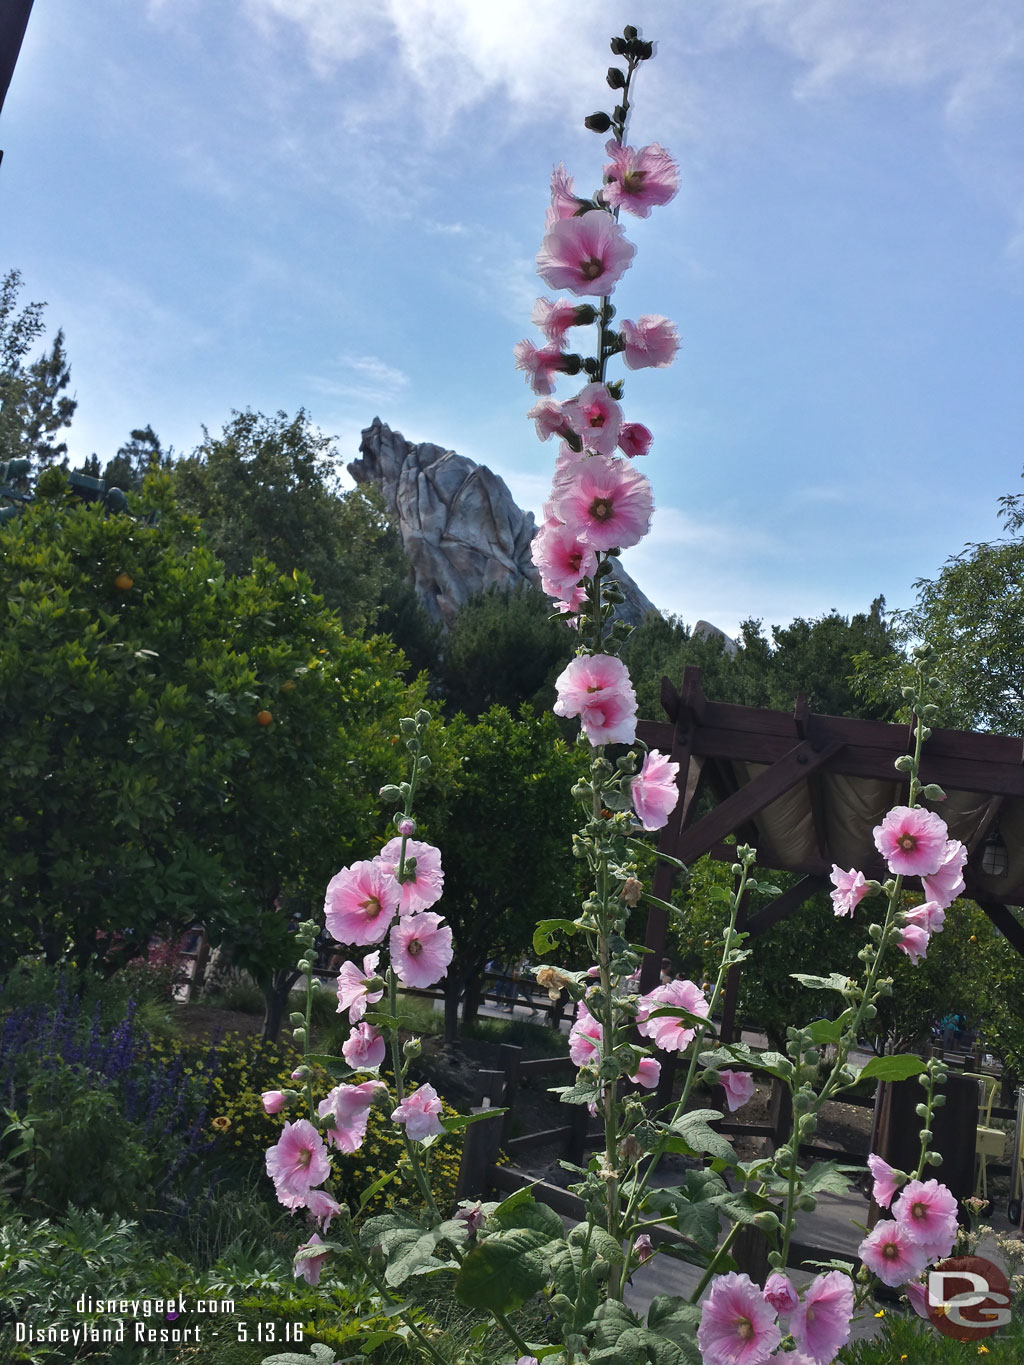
[{"x": 179, "y": 744}]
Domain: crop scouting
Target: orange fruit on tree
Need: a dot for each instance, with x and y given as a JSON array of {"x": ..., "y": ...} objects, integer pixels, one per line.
[
  {"x": 124, "y": 581},
  {"x": 263, "y": 717}
]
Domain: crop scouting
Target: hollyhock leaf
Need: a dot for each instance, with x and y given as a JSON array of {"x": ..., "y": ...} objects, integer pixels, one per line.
[
  {"x": 897, "y": 1068},
  {"x": 410, "y": 1252},
  {"x": 457, "y": 1122},
  {"x": 824, "y": 1031},
  {"x": 833, "y": 982},
  {"x": 545, "y": 935},
  {"x": 529, "y": 1214},
  {"x": 336, "y": 1067},
  {"x": 694, "y": 1129},
  {"x": 826, "y": 1177},
  {"x": 774, "y": 1063},
  {"x": 584, "y": 1091},
  {"x": 375, "y": 1188},
  {"x": 499, "y": 1275}
]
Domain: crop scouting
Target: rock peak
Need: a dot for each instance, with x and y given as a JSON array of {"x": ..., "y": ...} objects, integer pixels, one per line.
[{"x": 461, "y": 528}]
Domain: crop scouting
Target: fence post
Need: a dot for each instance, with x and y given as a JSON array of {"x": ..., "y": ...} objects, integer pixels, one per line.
[
  {"x": 579, "y": 1126},
  {"x": 511, "y": 1056},
  {"x": 480, "y": 1143}
]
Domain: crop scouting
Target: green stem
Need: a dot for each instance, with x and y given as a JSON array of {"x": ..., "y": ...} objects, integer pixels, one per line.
[{"x": 390, "y": 1298}]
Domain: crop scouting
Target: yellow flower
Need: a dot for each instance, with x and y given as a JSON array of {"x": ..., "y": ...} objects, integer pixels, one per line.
[
  {"x": 880, "y": 1313},
  {"x": 221, "y": 1124},
  {"x": 983, "y": 1350}
]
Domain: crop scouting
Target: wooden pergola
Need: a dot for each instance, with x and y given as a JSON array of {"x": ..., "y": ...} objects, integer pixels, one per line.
[{"x": 806, "y": 791}]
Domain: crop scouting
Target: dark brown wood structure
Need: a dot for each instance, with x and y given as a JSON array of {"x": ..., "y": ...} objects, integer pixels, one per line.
[{"x": 806, "y": 791}]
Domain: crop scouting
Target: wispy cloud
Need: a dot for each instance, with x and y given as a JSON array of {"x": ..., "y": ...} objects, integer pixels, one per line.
[{"x": 365, "y": 378}]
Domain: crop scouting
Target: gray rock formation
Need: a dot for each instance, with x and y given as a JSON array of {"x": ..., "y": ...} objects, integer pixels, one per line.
[{"x": 461, "y": 529}]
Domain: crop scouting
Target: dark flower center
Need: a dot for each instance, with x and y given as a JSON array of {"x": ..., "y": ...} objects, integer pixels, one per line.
[
  {"x": 591, "y": 268},
  {"x": 633, "y": 181},
  {"x": 744, "y": 1329},
  {"x": 414, "y": 947},
  {"x": 891, "y": 1251},
  {"x": 372, "y": 907},
  {"x": 601, "y": 509},
  {"x": 907, "y": 843}
]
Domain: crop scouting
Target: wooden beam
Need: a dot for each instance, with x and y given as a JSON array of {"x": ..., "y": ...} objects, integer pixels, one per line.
[
  {"x": 1006, "y": 922},
  {"x": 785, "y": 905},
  {"x": 759, "y": 792}
]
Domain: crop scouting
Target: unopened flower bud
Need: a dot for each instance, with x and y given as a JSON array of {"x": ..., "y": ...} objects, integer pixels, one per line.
[
  {"x": 806, "y": 1203},
  {"x": 630, "y": 32},
  {"x": 412, "y": 1048},
  {"x": 618, "y": 46},
  {"x": 597, "y": 123},
  {"x": 299, "y": 1034},
  {"x": 643, "y": 1249},
  {"x": 616, "y": 78},
  {"x": 390, "y": 793},
  {"x": 406, "y": 826},
  {"x": 632, "y": 890},
  {"x": 296, "y": 1020}
]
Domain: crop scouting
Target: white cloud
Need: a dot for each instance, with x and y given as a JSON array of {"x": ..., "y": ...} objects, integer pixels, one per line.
[{"x": 363, "y": 377}]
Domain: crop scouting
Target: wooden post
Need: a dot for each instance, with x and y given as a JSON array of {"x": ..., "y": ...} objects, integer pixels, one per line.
[
  {"x": 780, "y": 1113},
  {"x": 480, "y": 1144},
  {"x": 955, "y": 1126},
  {"x": 579, "y": 1125},
  {"x": 750, "y": 1252},
  {"x": 511, "y": 1056}
]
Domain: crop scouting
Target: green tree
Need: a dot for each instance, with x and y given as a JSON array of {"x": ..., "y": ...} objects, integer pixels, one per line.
[
  {"x": 32, "y": 408},
  {"x": 179, "y": 744},
  {"x": 140, "y": 455},
  {"x": 269, "y": 486},
  {"x": 503, "y": 649},
  {"x": 500, "y": 810},
  {"x": 817, "y": 657}
]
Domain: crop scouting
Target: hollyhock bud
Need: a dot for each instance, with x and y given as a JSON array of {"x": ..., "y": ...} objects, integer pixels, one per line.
[
  {"x": 643, "y": 1249},
  {"x": 597, "y": 123},
  {"x": 273, "y": 1101}
]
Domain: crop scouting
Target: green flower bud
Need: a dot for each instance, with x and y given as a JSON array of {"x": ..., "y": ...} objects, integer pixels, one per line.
[
  {"x": 390, "y": 793},
  {"x": 299, "y": 1034},
  {"x": 933, "y": 1159},
  {"x": 616, "y": 78},
  {"x": 806, "y": 1203},
  {"x": 296, "y": 1020},
  {"x": 597, "y": 123},
  {"x": 412, "y": 1048},
  {"x": 921, "y": 1111}
]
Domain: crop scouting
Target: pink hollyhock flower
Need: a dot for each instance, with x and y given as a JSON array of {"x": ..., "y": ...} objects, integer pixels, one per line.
[
  {"x": 668, "y": 1033},
  {"x": 361, "y": 902},
  {"x": 564, "y": 201},
  {"x": 821, "y": 1321},
  {"x": 912, "y": 841},
  {"x": 297, "y": 1162},
  {"x": 309, "y": 1267},
  {"x": 364, "y": 1050},
  {"x": 639, "y": 179},
  {"x": 887, "y": 1180},
  {"x": 648, "y": 1073},
  {"x": 634, "y": 439},
  {"x": 273, "y": 1101},
  {"x": 643, "y": 1248},
  {"x": 421, "y": 949},
  {"x": 571, "y": 605},
  {"x": 584, "y": 1037},
  {"x": 739, "y": 1088},
  {"x": 850, "y": 889},
  {"x": 595, "y": 417},
  {"x": 587, "y": 255},
  {"x": 350, "y": 1107},
  {"x": 736, "y": 1326},
  {"x": 527, "y": 1360},
  {"x": 597, "y": 688},
  {"x": 562, "y": 559},
  {"x": 352, "y": 993},
  {"x": 926, "y": 1211},
  {"x": 554, "y": 318},
  {"x": 549, "y": 418},
  {"x": 779, "y": 1292},
  {"x": 473, "y": 1216},
  {"x": 649, "y": 343},
  {"x": 419, "y": 1113},
  {"x": 891, "y": 1253},
  {"x": 914, "y": 942},
  {"x": 947, "y": 882},
  {"x": 322, "y": 1207},
  {"x": 653, "y": 791},
  {"x": 539, "y": 364},
  {"x": 918, "y": 1296},
  {"x": 604, "y": 499},
  {"x": 421, "y": 886},
  {"x": 930, "y": 917}
]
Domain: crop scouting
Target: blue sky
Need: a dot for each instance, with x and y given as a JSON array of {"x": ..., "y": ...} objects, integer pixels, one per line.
[{"x": 336, "y": 204}]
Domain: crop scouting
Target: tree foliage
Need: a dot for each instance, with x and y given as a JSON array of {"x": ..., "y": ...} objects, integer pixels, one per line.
[
  {"x": 503, "y": 649},
  {"x": 34, "y": 406},
  {"x": 179, "y": 743},
  {"x": 814, "y": 656},
  {"x": 268, "y": 486},
  {"x": 499, "y": 807}
]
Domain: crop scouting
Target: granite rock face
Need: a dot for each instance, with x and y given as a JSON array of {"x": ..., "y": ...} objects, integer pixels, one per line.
[{"x": 461, "y": 529}]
